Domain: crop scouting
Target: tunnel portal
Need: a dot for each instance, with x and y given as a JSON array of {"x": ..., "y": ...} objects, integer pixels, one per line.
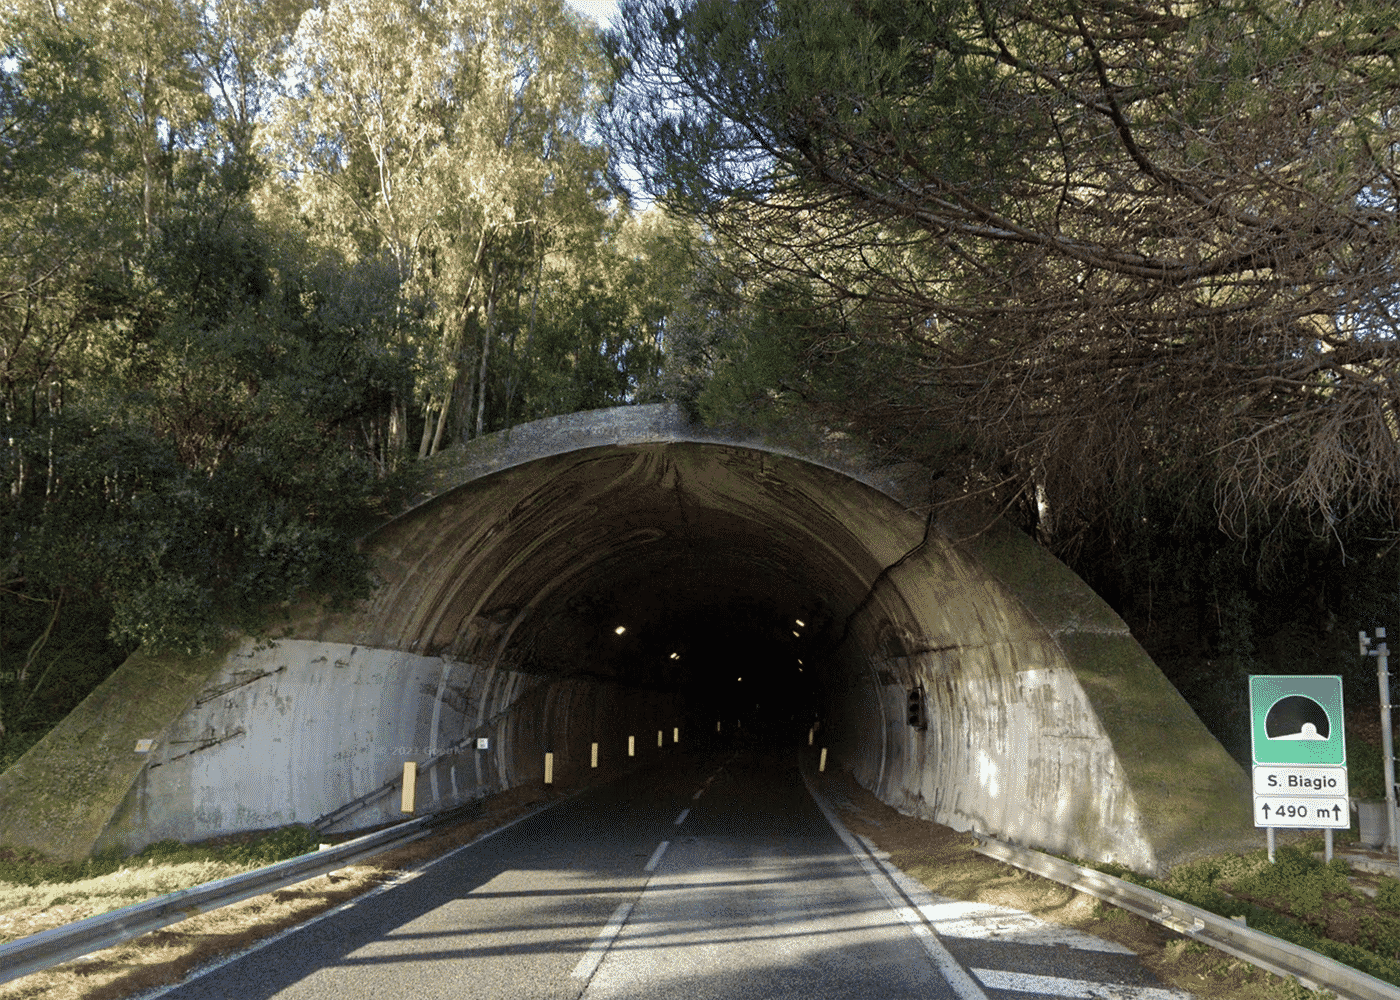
[{"x": 603, "y": 577}]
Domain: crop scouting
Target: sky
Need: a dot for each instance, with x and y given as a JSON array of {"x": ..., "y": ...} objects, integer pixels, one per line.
[{"x": 600, "y": 10}]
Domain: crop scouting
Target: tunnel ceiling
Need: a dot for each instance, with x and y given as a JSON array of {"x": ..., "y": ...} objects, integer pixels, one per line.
[{"x": 709, "y": 552}]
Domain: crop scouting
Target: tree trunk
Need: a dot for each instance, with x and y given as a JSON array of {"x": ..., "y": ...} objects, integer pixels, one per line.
[
  {"x": 486, "y": 335},
  {"x": 425, "y": 442},
  {"x": 514, "y": 380},
  {"x": 442, "y": 417},
  {"x": 398, "y": 433}
]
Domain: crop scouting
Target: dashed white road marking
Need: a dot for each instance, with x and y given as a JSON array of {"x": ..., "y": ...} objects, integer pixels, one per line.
[
  {"x": 1054, "y": 986},
  {"x": 588, "y": 964},
  {"x": 681, "y": 818},
  {"x": 656, "y": 856}
]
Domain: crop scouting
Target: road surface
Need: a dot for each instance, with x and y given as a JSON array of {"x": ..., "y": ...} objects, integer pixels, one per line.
[{"x": 712, "y": 875}]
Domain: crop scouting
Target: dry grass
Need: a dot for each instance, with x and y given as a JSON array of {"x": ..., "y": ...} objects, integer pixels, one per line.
[
  {"x": 944, "y": 861},
  {"x": 168, "y": 955}
]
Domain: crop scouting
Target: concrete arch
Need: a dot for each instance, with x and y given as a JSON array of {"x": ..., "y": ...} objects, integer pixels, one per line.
[{"x": 503, "y": 584}]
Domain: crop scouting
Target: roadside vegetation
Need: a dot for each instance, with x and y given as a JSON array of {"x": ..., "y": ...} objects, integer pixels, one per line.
[
  {"x": 1299, "y": 898},
  {"x": 258, "y": 260},
  {"x": 945, "y": 862}
]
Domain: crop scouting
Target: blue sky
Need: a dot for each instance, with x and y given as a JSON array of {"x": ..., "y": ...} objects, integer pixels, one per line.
[{"x": 600, "y": 10}]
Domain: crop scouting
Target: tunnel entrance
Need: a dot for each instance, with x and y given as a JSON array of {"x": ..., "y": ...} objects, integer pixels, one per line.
[
  {"x": 725, "y": 576},
  {"x": 581, "y": 585}
]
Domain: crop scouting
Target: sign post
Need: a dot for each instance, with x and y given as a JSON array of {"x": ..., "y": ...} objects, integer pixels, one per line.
[{"x": 1298, "y": 736}]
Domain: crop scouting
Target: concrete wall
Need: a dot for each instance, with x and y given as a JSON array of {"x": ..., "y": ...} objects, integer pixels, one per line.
[
  {"x": 1048, "y": 724},
  {"x": 294, "y": 731}
]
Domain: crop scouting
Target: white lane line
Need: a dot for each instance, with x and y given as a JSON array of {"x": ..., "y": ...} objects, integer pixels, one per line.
[
  {"x": 1054, "y": 986},
  {"x": 656, "y": 856},
  {"x": 697, "y": 795},
  {"x": 588, "y": 964},
  {"x": 681, "y": 818},
  {"x": 948, "y": 967}
]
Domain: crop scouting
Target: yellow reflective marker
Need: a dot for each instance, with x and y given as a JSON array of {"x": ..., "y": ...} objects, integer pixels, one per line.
[
  {"x": 410, "y": 785},
  {"x": 595, "y": 755},
  {"x": 549, "y": 769}
]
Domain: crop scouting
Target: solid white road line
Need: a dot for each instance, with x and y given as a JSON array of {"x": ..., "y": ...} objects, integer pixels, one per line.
[
  {"x": 962, "y": 984},
  {"x": 588, "y": 964},
  {"x": 1054, "y": 986},
  {"x": 656, "y": 856}
]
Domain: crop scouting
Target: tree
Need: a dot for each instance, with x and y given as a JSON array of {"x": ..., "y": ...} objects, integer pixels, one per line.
[
  {"x": 448, "y": 136},
  {"x": 1102, "y": 244}
]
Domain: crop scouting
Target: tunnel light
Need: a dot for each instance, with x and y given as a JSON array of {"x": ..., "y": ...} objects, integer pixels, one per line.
[
  {"x": 798, "y": 634},
  {"x": 619, "y": 630},
  {"x": 675, "y": 656},
  {"x": 740, "y": 679},
  {"x": 801, "y": 623}
]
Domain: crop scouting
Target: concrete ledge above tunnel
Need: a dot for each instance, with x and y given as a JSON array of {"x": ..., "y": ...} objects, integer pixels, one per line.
[{"x": 623, "y": 572}]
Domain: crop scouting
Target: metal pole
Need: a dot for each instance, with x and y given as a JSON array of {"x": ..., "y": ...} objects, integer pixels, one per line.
[
  {"x": 1327, "y": 845},
  {"x": 1387, "y": 740},
  {"x": 1271, "y": 844}
]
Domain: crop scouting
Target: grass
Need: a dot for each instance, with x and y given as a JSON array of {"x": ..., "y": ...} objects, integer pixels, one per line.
[
  {"x": 1298, "y": 898},
  {"x": 36, "y": 892}
]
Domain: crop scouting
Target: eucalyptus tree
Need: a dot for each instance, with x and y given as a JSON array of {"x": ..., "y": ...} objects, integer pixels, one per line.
[
  {"x": 450, "y": 137},
  {"x": 1102, "y": 244}
]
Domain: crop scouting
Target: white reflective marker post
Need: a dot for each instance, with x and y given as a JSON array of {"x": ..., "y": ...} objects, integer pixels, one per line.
[{"x": 410, "y": 784}]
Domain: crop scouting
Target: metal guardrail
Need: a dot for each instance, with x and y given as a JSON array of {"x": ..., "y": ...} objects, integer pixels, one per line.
[
  {"x": 1263, "y": 950},
  {"x": 61, "y": 944}
]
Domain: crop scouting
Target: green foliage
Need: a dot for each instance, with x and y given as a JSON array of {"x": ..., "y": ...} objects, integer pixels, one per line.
[
  {"x": 1298, "y": 898},
  {"x": 1388, "y": 894},
  {"x": 225, "y": 304},
  {"x": 1298, "y": 883},
  {"x": 1365, "y": 770}
]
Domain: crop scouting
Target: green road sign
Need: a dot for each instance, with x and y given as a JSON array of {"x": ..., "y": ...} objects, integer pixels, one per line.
[{"x": 1297, "y": 720}]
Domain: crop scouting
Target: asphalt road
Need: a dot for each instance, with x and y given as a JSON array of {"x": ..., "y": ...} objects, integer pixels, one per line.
[{"x": 712, "y": 875}]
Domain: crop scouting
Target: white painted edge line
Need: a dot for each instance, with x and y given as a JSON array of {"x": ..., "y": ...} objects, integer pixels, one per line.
[
  {"x": 1054, "y": 986},
  {"x": 696, "y": 796},
  {"x": 656, "y": 856},
  {"x": 948, "y": 967},
  {"x": 681, "y": 818},
  {"x": 588, "y": 964},
  {"x": 406, "y": 877}
]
